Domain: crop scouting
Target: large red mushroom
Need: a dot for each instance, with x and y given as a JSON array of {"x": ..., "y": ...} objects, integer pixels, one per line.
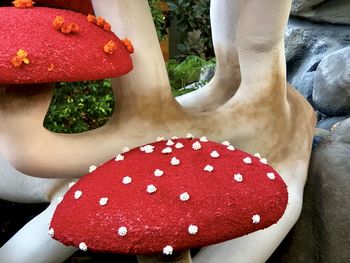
[{"x": 170, "y": 196}]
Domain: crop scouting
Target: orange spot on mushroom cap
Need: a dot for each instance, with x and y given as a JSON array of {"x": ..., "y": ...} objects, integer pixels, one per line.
[
  {"x": 16, "y": 61},
  {"x": 66, "y": 28},
  {"x": 58, "y": 22},
  {"x": 100, "y": 21},
  {"x": 21, "y": 53},
  {"x": 91, "y": 19},
  {"x": 70, "y": 28},
  {"x": 74, "y": 27},
  {"x": 107, "y": 27},
  {"x": 51, "y": 67},
  {"x": 128, "y": 45},
  {"x": 110, "y": 47},
  {"x": 20, "y": 58},
  {"x": 23, "y": 3}
]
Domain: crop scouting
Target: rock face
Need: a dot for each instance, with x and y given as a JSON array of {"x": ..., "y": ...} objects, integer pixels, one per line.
[
  {"x": 307, "y": 44},
  {"x": 302, "y": 5},
  {"x": 335, "y": 11},
  {"x": 331, "y": 93},
  {"x": 322, "y": 233},
  {"x": 328, "y": 123}
]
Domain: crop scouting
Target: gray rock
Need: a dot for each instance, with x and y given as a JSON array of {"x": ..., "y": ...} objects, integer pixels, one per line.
[
  {"x": 322, "y": 231},
  {"x": 302, "y": 5},
  {"x": 328, "y": 123},
  {"x": 306, "y": 44},
  {"x": 294, "y": 42},
  {"x": 331, "y": 93},
  {"x": 335, "y": 11}
]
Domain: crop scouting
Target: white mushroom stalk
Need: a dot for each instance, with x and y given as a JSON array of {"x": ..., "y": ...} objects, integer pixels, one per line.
[{"x": 179, "y": 257}]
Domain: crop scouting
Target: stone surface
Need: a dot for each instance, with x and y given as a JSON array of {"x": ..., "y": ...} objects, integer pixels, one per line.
[
  {"x": 303, "y": 5},
  {"x": 328, "y": 123},
  {"x": 331, "y": 93},
  {"x": 306, "y": 45},
  {"x": 335, "y": 11},
  {"x": 322, "y": 232}
]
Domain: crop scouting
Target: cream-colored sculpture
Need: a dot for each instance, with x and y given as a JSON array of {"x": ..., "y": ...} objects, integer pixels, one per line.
[{"x": 248, "y": 102}]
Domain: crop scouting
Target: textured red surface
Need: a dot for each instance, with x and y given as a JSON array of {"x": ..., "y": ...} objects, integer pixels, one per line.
[
  {"x": 221, "y": 207},
  {"x": 82, "y": 6},
  {"x": 53, "y": 55}
]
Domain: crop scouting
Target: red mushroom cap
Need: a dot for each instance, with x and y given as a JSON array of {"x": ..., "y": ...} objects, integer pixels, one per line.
[
  {"x": 144, "y": 200},
  {"x": 56, "y": 55}
]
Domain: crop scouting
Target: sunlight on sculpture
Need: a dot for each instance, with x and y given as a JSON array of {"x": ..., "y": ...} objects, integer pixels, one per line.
[{"x": 248, "y": 103}]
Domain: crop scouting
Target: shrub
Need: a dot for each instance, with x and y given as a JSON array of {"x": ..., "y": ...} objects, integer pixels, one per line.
[
  {"x": 80, "y": 106},
  {"x": 191, "y": 16}
]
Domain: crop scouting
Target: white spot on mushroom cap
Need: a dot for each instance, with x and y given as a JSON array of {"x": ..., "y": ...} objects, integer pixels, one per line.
[
  {"x": 230, "y": 148},
  {"x": 151, "y": 189},
  {"x": 238, "y": 178},
  {"x": 167, "y": 150},
  {"x": 119, "y": 157},
  {"x": 147, "y": 148},
  {"x": 51, "y": 232},
  {"x": 271, "y": 176},
  {"x": 174, "y": 138},
  {"x": 247, "y": 160},
  {"x": 257, "y": 155},
  {"x": 174, "y": 161},
  {"x": 214, "y": 154},
  {"x": 189, "y": 136},
  {"x": 209, "y": 168},
  {"x": 127, "y": 180},
  {"x": 193, "y": 229},
  {"x": 103, "y": 201},
  {"x": 226, "y": 143},
  {"x": 159, "y": 139},
  {"x": 168, "y": 250},
  {"x": 196, "y": 146},
  {"x": 71, "y": 184},
  {"x": 122, "y": 231},
  {"x": 263, "y": 160},
  {"x": 256, "y": 219},
  {"x": 78, "y": 194},
  {"x": 83, "y": 246},
  {"x": 203, "y": 139},
  {"x": 92, "y": 168},
  {"x": 125, "y": 149},
  {"x": 179, "y": 145},
  {"x": 170, "y": 143},
  {"x": 158, "y": 173},
  {"x": 184, "y": 197}
]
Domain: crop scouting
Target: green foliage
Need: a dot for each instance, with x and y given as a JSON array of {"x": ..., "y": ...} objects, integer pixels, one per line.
[
  {"x": 80, "y": 106},
  {"x": 158, "y": 18},
  {"x": 186, "y": 72},
  {"x": 191, "y": 16}
]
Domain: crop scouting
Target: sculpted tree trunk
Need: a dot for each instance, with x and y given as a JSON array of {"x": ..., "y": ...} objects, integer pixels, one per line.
[{"x": 248, "y": 103}]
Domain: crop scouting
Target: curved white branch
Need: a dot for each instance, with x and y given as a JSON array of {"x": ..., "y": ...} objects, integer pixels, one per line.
[{"x": 224, "y": 17}]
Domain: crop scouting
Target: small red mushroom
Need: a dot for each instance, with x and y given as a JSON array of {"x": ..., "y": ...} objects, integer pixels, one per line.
[
  {"x": 77, "y": 57},
  {"x": 150, "y": 201}
]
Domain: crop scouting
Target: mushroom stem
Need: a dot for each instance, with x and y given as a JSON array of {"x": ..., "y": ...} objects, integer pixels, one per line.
[
  {"x": 133, "y": 19},
  {"x": 179, "y": 257},
  {"x": 224, "y": 16}
]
